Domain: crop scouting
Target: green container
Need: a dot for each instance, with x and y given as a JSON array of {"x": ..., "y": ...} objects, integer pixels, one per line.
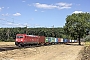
[
  {"x": 46, "y": 39},
  {"x": 52, "y": 39}
]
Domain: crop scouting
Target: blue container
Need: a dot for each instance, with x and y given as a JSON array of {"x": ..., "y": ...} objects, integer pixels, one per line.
[
  {"x": 49, "y": 39},
  {"x": 75, "y": 40},
  {"x": 65, "y": 40}
]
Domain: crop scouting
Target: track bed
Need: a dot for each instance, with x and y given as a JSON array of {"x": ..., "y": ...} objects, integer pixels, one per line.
[{"x": 50, "y": 52}]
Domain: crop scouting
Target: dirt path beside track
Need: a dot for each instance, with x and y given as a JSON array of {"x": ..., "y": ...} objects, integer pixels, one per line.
[{"x": 52, "y": 52}]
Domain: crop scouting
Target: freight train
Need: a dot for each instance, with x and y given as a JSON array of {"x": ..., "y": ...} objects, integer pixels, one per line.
[{"x": 24, "y": 39}]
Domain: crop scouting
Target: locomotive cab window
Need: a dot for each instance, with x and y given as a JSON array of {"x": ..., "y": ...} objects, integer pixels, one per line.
[{"x": 19, "y": 36}]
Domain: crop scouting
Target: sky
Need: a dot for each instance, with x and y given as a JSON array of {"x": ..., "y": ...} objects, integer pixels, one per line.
[{"x": 39, "y": 13}]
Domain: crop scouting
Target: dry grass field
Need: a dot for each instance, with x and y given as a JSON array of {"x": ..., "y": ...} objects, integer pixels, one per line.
[{"x": 8, "y": 51}]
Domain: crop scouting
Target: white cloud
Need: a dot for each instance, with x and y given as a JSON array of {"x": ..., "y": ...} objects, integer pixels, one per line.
[
  {"x": 5, "y": 14},
  {"x": 15, "y": 24},
  {"x": 35, "y": 9},
  {"x": 10, "y": 23},
  {"x": 23, "y": 1},
  {"x": 2, "y": 19},
  {"x": 42, "y": 11},
  {"x": 8, "y": 7},
  {"x": 44, "y": 6},
  {"x": 53, "y": 6},
  {"x": 76, "y": 12},
  {"x": 28, "y": 4},
  {"x": 78, "y": 4},
  {"x": 16, "y": 14},
  {"x": 0, "y": 8},
  {"x": 62, "y": 5},
  {"x": 31, "y": 18},
  {"x": 36, "y": 25}
]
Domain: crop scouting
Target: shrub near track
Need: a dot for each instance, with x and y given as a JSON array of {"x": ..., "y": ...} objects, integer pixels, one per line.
[{"x": 86, "y": 52}]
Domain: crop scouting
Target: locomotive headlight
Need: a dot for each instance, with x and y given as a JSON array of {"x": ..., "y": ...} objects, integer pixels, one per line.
[
  {"x": 16, "y": 39},
  {"x": 21, "y": 39}
]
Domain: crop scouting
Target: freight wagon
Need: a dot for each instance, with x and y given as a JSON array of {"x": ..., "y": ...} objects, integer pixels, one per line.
[{"x": 24, "y": 39}]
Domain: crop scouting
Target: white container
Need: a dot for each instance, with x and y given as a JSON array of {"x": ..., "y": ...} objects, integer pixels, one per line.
[
  {"x": 72, "y": 40},
  {"x": 61, "y": 39}
]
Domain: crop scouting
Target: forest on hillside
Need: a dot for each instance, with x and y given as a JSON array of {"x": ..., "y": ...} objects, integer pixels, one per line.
[{"x": 9, "y": 34}]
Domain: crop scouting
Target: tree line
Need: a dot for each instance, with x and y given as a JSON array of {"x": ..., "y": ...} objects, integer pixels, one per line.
[{"x": 9, "y": 34}]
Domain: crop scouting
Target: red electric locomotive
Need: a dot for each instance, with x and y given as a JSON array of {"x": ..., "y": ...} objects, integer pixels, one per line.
[{"x": 24, "y": 39}]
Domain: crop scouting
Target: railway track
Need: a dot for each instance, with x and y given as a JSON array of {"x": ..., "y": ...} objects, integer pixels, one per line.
[{"x": 12, "y": 47}]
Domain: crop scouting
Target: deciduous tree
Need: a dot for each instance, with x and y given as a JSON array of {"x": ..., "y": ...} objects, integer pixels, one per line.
[{"x": 76, "y": 25}]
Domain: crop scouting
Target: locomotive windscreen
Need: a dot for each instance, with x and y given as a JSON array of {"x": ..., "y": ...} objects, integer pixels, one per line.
[{"x": 19, "y": 36}]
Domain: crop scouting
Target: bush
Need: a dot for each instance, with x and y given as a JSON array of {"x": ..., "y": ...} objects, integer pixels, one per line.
[
  {"x": 10, "y": 39},
  {"x": 87, "y": 39},
  {"x": 7, "y": 40}
]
